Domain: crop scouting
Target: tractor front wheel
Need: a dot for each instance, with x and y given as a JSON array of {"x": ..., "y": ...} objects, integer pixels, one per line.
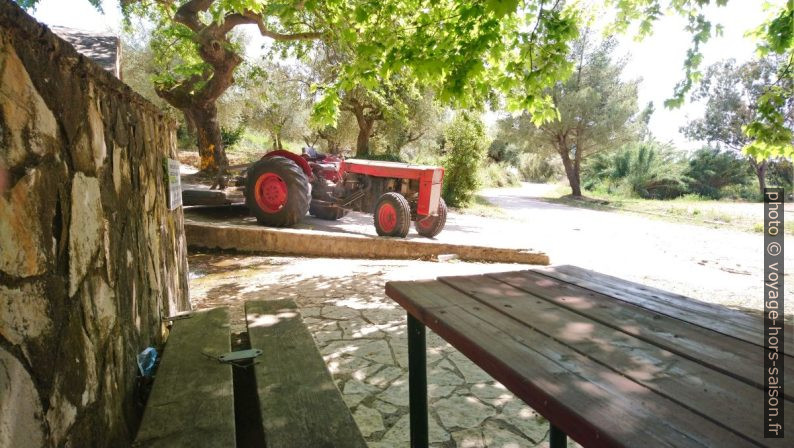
[
  {"x": 430, "y": 226},
  {"x": 392, "y": 215},
  {"x": 277, "y": 192}
]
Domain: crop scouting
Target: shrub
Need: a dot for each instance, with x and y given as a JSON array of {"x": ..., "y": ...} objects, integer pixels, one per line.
[
  {"x": 502, "y": 151},
  {"x": 231, "y": 136},
  {"x": 497, "y": 175},
  {"x": 465, "y": 146},
  {"x": 537, "y": 168},
  {"x": 780, "y": 173},
  {"x": 654, "y": 173},
  {"x": 711, "y": 171},
  {"x": 648, "y": 170}
]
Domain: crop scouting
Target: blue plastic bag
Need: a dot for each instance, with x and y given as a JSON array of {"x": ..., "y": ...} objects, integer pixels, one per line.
[{"x": 146, "y": 361}]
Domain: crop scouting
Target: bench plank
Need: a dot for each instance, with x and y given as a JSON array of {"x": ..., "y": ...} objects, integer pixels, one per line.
[
  {"x": 591, "y": 404},
  {"x": 192, "y": 400},
  {"x": 300, "y": 403}
]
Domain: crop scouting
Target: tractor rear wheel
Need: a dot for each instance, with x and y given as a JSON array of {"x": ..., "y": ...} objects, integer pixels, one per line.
[
  {"x": 430, "y": 226},
  {"x": 392, "y": 215},
  {"x": 277, "y": 192},
  {"x": 328, "y": 212}
]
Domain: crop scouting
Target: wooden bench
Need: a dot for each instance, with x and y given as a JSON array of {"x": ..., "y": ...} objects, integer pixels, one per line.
[
  {"x": 192, "y": 401},
  {"x": 299, "y": 401}
]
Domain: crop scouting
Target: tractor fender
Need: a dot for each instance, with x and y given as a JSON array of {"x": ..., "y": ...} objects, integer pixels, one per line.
[{"x": 300, "y": 161}]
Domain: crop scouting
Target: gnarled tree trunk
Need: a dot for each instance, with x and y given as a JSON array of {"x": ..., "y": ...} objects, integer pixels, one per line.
[
  {"x": 366, "y": 116},
  {"x": 197, "y": 94},
  {"x": 209, "y": 139},
  {"x": 364, "y": 133}
]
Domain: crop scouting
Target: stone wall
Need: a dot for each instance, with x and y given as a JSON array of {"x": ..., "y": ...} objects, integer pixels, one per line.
[{"x": 90, "y": 256}]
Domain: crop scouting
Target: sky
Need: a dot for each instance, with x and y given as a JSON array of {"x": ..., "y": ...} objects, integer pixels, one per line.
[{"x": 657, "y": 60}]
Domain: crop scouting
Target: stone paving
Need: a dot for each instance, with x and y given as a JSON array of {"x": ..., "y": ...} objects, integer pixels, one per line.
[{"x": 361, "y": 335}]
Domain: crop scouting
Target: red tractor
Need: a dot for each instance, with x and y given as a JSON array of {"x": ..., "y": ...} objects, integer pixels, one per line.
[{"x": 282, "y": 187}]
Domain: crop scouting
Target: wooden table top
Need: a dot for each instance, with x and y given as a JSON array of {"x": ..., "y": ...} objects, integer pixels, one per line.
[{"x": 609, "y": 362}]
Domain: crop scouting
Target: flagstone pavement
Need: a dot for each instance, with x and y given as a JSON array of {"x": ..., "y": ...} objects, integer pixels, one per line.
[{"x": 361, "y": 335}]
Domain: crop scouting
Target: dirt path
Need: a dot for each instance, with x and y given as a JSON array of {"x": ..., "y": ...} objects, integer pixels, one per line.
[
  {"x": 711, "y": 264},
  {"x": 714, "y": 265}
]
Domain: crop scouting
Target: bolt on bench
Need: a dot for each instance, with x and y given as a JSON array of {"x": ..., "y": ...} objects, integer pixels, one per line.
[{"x": 192, "y": 400}]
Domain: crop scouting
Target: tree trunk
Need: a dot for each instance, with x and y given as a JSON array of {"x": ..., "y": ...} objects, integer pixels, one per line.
[
  {"x": 190, "y": 125},
  {"x": 277, "y": 145},
  {"x": 362, "y": 141},
  {"x": 210, "y": 143},
  {"x": 760, "y": 173},
  {"x": 571, "y": 171}
]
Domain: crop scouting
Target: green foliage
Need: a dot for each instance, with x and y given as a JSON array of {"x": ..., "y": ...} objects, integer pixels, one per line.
[
  {"x": 271, "y": 97},
  {"x": 537, "y": 168},
  {"x": 648, "y": 170},
  {"x": 734, "y": 93},
  {"x": 770, "y": 137},
  {"x": 780, "y": 173},
  {"x": 231, "y": 137},
  {"x": 465, "y": 146},
  {"x": 710, "y": 171},
  {"x": 597, "y": 111},
  {"x": 498, "y": 175},
  {"x": 462, "y": 49},
  {"x": 503, "y": 151}
]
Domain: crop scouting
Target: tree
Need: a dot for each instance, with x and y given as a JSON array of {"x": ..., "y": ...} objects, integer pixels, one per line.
[
  {"x": 768, "y": 132},
  {"x": 398, "y": 110},
  {"x": 276, "y": 101},
  {"x": 457, "y": 47},
  {"x": 596, "y": 110},
  {"x": 732, "y": 93},
  {"x": 367, "y": 108},
  {"x": 462, "y": 49},
  {"x": 421, "y": 118}
]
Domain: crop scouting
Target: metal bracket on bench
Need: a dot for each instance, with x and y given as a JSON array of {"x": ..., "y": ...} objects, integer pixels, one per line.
[{"x": 240, "y": 355}]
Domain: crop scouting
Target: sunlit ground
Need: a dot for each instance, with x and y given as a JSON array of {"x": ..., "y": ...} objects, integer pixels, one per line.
[{"x": 361, "y": 335}]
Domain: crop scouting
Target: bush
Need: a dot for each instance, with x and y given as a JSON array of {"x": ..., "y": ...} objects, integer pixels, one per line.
[
  {"x": 537, "y": 168},
  {"x": 648, "y": 170},
  {"x": 231, "y": 137},
  {"x": 748, "y": 192},
  {"x": 780, "y": 173},
  {"x": 465, "y": 146},
  {"x": 502, "y": 151},
  {"x": 711, "y": 171},
  {"x": 655, "y": 174},
  {"x": 497, "y": 175}
]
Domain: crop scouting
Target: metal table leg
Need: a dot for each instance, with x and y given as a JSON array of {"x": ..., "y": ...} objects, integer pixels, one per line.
[
  {"x": 417, "y": 382},
  {"x": 557, "y": 438}
]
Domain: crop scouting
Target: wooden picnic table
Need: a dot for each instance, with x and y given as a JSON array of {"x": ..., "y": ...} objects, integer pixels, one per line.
[{"x": 606, "y": 361}]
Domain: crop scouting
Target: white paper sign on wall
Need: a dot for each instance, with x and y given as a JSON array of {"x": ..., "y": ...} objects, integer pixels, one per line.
[{"x": 174, "y": 184}]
